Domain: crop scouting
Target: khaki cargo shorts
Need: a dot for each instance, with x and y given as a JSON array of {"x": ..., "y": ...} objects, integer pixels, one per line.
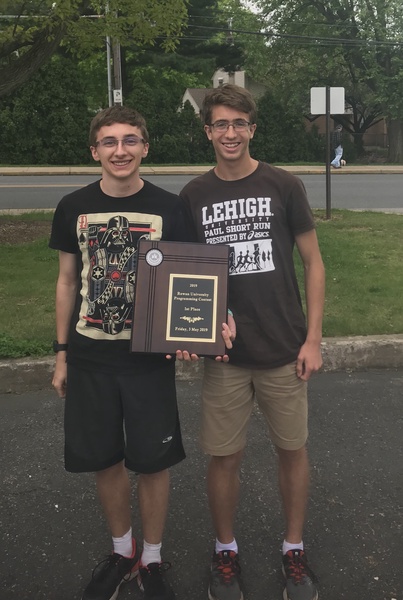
[{"x": 228, "y": 397}]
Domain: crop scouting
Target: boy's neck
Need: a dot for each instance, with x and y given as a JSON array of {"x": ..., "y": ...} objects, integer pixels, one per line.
[
  {"x": 121, "y": 188},
  {"x": 237, "y": 170}
]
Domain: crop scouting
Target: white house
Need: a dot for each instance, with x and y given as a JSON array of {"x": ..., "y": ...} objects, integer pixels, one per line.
[{"x": 196, "y": 95}]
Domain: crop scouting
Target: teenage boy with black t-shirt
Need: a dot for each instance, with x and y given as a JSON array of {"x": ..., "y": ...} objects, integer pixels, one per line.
[{"x": 121, "y": 410}]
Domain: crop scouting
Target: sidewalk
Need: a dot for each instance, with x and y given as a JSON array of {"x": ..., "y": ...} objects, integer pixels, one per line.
[
  {"x": 360, "y": 353},
  {"x": 198, "y": 170}
]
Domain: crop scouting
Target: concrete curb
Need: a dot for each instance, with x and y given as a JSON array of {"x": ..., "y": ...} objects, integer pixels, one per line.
[
  {"x": 339, "y": 354},
  {"x": 198, "y": 170},
  {"x": 360, "y": 353}
]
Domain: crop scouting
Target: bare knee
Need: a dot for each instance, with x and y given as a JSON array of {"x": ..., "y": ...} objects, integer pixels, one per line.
[
  {"x": 111, "y": 473},
  {"x": 154, "y": 478},
  {"x": 292, "y": 456},
  {"x": 228, "y": 463}
]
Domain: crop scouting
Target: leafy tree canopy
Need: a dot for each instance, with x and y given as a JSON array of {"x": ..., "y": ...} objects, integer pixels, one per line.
[
  {"x": 31, "y": 31},
  {"x": 244, "y": 31},
  {"x": 47, "y": 121},
  {"x": 356, "y": 44},
  {"x": 205, "y": 44}
]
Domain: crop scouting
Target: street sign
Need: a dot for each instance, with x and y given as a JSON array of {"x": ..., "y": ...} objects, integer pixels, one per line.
[
  {"x": 327, "y": 101},
  {"x": 318, "y": 100},
  {"x": 117, "y": 96}
]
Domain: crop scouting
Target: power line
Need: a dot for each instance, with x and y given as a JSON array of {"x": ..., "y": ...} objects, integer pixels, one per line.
[
  {"x": 296, "y": 39},
  {"x": 224, "y": 16},
  {"x": 314, "y": 39}
]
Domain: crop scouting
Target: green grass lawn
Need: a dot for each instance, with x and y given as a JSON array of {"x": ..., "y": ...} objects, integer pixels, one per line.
[{"x": 362, "y": 252}]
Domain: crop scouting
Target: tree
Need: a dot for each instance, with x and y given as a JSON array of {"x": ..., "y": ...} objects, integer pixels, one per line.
[
  {"x": 31, "y": 31},
  {"x": 175, "y": 137},
  {"x": 281, "y": 135},
  {"x": 245, "y": 32},
  {"x": 47, "y": 121},
  {"x": 207, "y": 36},
  {"x": 353, "y": 43},
  {"x": 191, "y": 133},
  {"x": 204, "y": 45}
]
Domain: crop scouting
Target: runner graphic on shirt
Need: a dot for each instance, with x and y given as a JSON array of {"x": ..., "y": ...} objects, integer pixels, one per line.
[
  {"x": 244, "y": 224},
  {"x": 248, "y": 257}
]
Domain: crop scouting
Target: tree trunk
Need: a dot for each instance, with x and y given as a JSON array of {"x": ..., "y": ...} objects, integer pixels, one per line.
[
  {"x": 19, "y": 71},
  {"x": 395, "y": 136},
  {"x": 358, "y": 143}
]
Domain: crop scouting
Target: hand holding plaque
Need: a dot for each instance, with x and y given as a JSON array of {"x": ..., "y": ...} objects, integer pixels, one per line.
[{"x": 181, "y": 298}]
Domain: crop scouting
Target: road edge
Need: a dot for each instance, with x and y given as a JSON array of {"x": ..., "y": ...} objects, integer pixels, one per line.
[{"x": 357, "y": 353}]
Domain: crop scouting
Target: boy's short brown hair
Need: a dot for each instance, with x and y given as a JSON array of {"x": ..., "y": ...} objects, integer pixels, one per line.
[
  {"x": 117, "y": 114},
  {"x": 232, "y": 96}
]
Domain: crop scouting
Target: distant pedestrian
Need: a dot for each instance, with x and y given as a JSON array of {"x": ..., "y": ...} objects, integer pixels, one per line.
[{"x": 337, "y": 141}]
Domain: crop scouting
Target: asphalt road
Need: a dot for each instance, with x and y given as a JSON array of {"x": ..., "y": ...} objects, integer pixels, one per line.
[
  {"x": 372, "y": 191},
  {"x": 52, "y": 532}
]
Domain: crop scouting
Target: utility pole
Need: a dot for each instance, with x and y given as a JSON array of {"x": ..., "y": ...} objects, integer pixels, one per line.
[
  {"x": 114, "y": 69},
  {"x": 328, "y": 185},
  {"x": 109, "y": 70},
  {"x": 117, "y": 74}
]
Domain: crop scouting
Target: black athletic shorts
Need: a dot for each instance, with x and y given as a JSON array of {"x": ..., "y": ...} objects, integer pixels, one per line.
[{"x": 131, "y": 417}]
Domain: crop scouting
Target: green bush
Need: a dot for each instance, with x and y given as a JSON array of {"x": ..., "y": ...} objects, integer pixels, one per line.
[
  {"x": 281, "y": 135},
  {"x": 47, "y": 120}
]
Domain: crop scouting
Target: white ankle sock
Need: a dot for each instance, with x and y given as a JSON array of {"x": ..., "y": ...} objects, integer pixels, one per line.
[
  {"x": 219, "y": 547},
  {"x": 123, "y": 545},
  {"x": 287, "y": 546},
  {"x": 151, "y": 553}
]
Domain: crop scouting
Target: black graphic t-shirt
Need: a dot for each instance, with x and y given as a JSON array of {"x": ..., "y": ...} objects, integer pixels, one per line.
[
  {"x": 258, "y": 217},
  {"x": 103, "y": 232}
]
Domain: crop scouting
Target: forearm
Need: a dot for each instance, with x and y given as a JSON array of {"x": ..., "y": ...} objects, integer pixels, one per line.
[
  {"x": 315, "y": 299},
  {"x": 65, "y": 300}
]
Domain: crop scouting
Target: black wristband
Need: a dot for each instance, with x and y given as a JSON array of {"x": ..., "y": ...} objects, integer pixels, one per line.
[{"x": 59, "y": 347}]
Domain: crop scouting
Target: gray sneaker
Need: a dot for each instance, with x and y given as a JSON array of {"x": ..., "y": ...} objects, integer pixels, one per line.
[
  {"x": 300, "y": 581},
  {"x": 225, "y": 578}
]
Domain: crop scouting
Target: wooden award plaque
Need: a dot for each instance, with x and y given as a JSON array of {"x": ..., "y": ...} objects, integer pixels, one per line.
[{"x": 181, "y": 298}]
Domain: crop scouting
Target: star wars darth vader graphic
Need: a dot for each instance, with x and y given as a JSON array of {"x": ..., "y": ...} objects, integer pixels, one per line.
[{"x": 108, "y": 244}]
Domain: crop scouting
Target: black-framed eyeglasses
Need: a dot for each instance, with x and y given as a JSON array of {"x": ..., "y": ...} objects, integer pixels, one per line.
[
  {"x": 128, "y": 140},
  {"x": 237, "y": 125}
]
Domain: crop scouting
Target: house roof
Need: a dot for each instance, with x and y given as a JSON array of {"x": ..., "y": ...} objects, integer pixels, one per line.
[{"x": 198, "y": 94}]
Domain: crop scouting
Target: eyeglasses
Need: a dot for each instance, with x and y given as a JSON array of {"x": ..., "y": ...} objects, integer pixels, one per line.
[
  {"x": 237, "y": 125},
  {"x": 111, "y": 142}
]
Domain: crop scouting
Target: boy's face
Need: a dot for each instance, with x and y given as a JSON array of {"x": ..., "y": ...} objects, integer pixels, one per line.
[
  {"x": 121, "y": 160},
  {"x": 233, "y": 144}
]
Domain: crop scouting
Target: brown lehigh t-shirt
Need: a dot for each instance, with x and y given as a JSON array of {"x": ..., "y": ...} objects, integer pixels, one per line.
[{"x": 258, "y": 217}]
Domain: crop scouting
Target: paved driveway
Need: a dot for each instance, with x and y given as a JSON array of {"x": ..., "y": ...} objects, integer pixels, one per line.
[{"x": 52, "y": 531}]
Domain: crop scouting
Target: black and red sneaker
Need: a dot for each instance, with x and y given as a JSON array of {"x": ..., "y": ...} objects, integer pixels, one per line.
[
  {"x": 300, "y": 581},
  {"x": 110, "y": 573},
  {"x": 225, "y": 578},
  {"x": 152, "y": 582}
]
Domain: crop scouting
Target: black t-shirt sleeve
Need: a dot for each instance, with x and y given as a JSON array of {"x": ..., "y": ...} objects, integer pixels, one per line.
[
  {"x": 189, "y": 221},
  {"x": 183, "y": 227},
  {"x": 61, "y": 237}
]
